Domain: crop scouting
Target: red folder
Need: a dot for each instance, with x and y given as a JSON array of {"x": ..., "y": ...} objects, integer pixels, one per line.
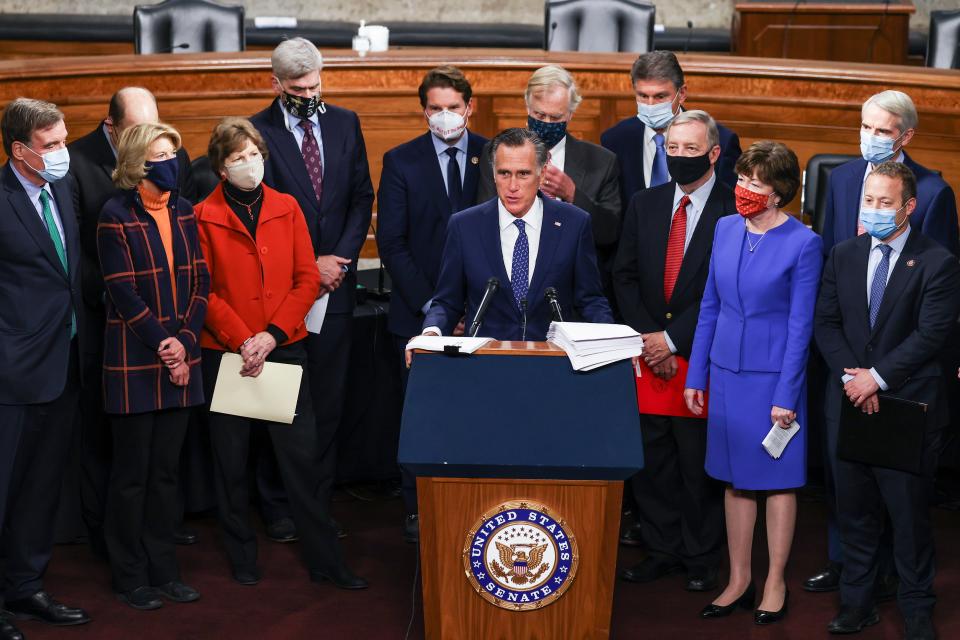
[{"x": 660, "y": 397}]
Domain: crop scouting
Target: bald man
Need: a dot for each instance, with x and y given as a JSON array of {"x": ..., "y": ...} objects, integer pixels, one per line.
[{"x": 92, "y": 160}]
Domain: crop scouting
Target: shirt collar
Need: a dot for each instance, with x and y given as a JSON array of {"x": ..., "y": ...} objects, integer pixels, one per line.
[
  {"x": 648, "y": 134},
  {"x": 699, "y": 197},
  {"x": 533, "y": 217},
  {"x": 896, "y": 244},
  {"x": 293, "y": 122},
  {"x": 33, "y": 191},
  {"x": 560, "y": 147},
  {"x": 441, "y": 147},
  {"x": 106, "y": 134}
]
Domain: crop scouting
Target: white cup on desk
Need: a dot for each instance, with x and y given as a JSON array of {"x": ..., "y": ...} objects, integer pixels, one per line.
[
  {"x": 361, "y": 44},
  {"x": 379, "y": 36}
]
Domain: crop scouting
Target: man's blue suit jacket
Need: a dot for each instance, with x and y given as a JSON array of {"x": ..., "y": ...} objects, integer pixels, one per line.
[
  {"x": 935, "y": 215},
  {"x": 412, "y": 214},
  {"x": 339, "y": 223},
  {"x": 566, "y": 260},
  {"x": 625, "y": 139}
]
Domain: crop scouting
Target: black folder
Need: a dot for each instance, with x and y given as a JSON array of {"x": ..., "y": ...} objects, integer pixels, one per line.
[{"x": 892, "y": 437}]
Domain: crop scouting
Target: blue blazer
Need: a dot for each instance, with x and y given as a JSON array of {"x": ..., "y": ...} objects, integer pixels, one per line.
[
  {"x": 761, "y": 320},
  {"x": 338, "y": 225},
  {"x": 935, "y": 215},
  {"x": 625, "y": 139},
  {"x": 412, "y": 214},
  {"x": 37, "y": 297},
  {"x": 565, "y": 260}
]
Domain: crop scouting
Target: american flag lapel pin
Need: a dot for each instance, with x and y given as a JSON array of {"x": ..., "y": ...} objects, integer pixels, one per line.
[
  {"x": 556, "y": 223},
  {"x": 911, "y": 263}
]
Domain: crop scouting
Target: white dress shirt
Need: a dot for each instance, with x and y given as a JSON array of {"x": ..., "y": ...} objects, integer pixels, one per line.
[
  {"x": 649, "y": 151},
  {"x": 558, "y": 154},
  {"x": 33, "y": 193},
  {"x": 441, "y": 148},
  {"x": 292, "y": 123}
]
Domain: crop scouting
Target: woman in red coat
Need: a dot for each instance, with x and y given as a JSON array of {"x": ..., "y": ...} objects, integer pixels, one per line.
[{"x": 264, "y": 280}]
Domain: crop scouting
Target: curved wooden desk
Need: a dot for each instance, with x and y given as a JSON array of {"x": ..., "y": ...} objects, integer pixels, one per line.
[{"x": 812, "y": 106}]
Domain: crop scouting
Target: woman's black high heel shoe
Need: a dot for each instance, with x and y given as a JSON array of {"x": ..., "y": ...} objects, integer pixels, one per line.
[
  {"x": 745, "y": 601},
  {"x": 769, "y": 617}
]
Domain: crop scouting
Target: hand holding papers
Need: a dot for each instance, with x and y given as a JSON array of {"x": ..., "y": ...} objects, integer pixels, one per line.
[
  {"x": 317, "y": 313},
  {"x": 590, "y": 345},
  {"x": 271, "y": 396},
  {"x": 778, "y": 439}
]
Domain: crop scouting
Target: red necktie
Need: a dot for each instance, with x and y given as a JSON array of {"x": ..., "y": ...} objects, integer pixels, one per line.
[
  {"x": 678, "y": 234},
  {"x": 311, "y": 157}
]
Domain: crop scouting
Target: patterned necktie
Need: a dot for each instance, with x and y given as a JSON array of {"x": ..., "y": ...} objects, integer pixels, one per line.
[
  {"x": 879, "y": 283},
  {"x": 454, "y": 182},
  {"x": 519, "y": 272},
  {"x": 57, "y": 245},
  {"x": 311, "y": 157},
  {"x": 678, "y": 235},
  {"x": 658, "y": 173}
]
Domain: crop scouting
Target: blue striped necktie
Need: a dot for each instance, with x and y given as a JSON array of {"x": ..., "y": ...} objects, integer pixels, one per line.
[{"x": 879, "y": 283}]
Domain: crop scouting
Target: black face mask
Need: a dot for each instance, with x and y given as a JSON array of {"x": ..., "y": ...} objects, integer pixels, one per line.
[
  {"x": 301, "y": 107},
  {"x": 686, "y": 170}
]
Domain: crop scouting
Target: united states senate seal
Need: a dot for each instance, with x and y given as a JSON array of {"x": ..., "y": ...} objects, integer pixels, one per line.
[{"x": 520, "y": 556}]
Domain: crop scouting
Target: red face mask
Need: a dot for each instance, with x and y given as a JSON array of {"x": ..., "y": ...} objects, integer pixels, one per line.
[{"x": 750, "y": 203}]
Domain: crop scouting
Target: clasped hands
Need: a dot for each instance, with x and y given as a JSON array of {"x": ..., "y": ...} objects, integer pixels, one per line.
[
  {"x": 174, "y": 356},
  {"x": 862, "y": 390},
  {"x": 254, "y": 352},
  {"x": 657, "y": 355},
  {"x": 331, "y": 272}
]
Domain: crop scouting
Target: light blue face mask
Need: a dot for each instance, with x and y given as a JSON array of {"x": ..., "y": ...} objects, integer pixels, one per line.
[
  {"x": 656, "y": 116},
  {"x": 55, "y": 164},
  {"x": 877, "y": 149},
  {"x": 880, "y": 223}
]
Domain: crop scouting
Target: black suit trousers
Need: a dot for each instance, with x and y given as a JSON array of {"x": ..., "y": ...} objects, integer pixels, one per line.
[
  {"x": 143, "y": 504},
  {"x": 679, "y": 507},
  {"x": 34, "y": 475},
  {"x": 96, "y": 443}
]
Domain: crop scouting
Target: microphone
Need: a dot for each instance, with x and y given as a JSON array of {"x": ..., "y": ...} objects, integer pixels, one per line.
[
  {"x": 686, "y": 45},
  {"x": 551, "y": 296},
  {"x": 492, "y": 285},
  {"x": 523, "y": 327},
  {"x": 182, "y": 45},
  {"x": 553, "y": 29}
]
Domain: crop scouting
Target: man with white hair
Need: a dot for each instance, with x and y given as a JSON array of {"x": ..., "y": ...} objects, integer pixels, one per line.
[{"x": 317, "y": 155}]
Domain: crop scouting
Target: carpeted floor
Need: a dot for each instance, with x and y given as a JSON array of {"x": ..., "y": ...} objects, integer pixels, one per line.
[{"x": 286, "y": 606}]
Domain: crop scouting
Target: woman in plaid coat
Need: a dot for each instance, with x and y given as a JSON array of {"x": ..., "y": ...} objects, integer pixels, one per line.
[{"x": 157, "y": 285}]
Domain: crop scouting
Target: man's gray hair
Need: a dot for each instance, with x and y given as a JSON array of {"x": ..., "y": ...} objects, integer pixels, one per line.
[
  {"x": 553, "y": 76},
  {"x": 294, "y": 58},
  {"x": 517, "y": 137},
  {"x": 704, "y": 118},
  {"x": 899, "y": 104},
  {"x": 23, "y": 116}
]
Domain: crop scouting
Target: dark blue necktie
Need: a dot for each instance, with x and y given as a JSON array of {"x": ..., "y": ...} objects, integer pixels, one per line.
[
  {"x": 879, "y": 283},
  {"x": 454, "y": 182},
  {"x": 521, "y": 264},
  {"x": 658, "y": 173}
]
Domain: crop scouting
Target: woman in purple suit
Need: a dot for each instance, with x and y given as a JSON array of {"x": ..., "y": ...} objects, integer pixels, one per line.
[{"x": 750, "y": 351}]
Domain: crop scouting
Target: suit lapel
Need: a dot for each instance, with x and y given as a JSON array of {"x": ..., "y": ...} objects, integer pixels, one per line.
[
  {"x": 436, "y": 189},
  {"x": 68, "y": 218},
  {"x": 550, "y": 230},
  {"x": 30, "y": 219},
  {"x": 105, "y": 158},
  {"x": 490, "y": 236},
  {"x": 851, "y": 199},
  {"x": 641, "y": 149},
  {"x": 334, "y": 142},
  {"x": 858, "y": 281},
  {"x": 289, "y": 151},
  {"x": 697, "y": 252},
  {"x": 471, "y": 177},
  {"x": 573, "y": 162},
  {"x": 656, "y": 245},
  {"x": 903, "y": 272}
]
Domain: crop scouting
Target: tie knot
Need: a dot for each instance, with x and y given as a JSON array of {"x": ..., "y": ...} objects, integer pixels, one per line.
[
  {"x": 885, "y": 249},
  {"x": 684, "y": 201},
  {"x": 658, "y": 139},
  {"x": 452, "y": 152},
  {"x": 306, "y": 125},
  {"x": 44, "y": 196},
  {"x": 519, "y": 224}
]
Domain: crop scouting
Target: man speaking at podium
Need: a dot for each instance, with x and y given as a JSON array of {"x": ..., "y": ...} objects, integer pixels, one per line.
[{"x": 514, "y": 248}]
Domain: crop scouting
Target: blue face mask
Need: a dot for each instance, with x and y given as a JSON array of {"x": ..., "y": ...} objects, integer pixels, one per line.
[
  {"x": 656, "y": 116},
  {"x": 877, "y": 149},
  {"x": 880, "y": 223},
  {"x": 55, "y": 164},
  {"x": 164, "y": 173},
  {"x": 550, "y": 132}
]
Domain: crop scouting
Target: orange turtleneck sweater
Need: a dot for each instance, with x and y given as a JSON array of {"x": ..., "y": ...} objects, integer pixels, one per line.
[{"x": 156, "y": 206}]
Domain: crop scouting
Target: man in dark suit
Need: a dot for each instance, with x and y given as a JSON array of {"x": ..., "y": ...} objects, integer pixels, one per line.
[
  {"x": 659, "y": 276},
  {"x": 889, "y": 121},
  {"x": 93, "y": 159},
  {"x": 424, "y": 182},
  {"x": 529, "y": 242},
  {"x": 40, "y": 314},
  {"x": 661, "y": 90},
  {"x": 888, "y": 302},
  {"x": 317, "y": 155}
]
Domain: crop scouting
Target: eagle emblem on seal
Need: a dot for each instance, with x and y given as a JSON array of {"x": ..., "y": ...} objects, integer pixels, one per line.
[{"x": 520, "y": 563}]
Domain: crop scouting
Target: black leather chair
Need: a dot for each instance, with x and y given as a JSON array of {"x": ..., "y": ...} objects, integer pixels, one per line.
[
  {"x": 813, "y": 197},
  {"x": 204, "y": 177},
  {"x": 943, "y": 45},
  {"x": 599, "y": 25},
  {"x": 199, "y": 24}
]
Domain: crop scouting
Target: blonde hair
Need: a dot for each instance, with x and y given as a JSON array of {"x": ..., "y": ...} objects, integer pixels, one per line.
[
  {"x": 132, "y": 151},
  {"x": 553, "y": 76}
]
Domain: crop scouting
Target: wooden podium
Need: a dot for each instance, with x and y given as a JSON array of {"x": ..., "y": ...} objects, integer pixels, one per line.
[{"x": 520, "y": 463}]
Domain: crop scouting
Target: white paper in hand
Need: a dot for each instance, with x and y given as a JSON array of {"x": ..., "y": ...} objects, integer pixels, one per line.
[
  {"x": 271, "y": 396},
  {"x": 317, "y": 313},
  {"x": 778, "y": 439}
]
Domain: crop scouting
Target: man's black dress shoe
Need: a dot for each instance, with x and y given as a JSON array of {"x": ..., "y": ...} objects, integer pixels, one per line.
[
  {"x": 632, "y": 536},
  {"x": 185, "y": 536},
  {"x": 744, "y": 602},
  {"x": 143, "y": 598},
  {"x": 176, "y": 591},
  {"x": 650, "y": 569},
  {"x": 340, "y": 577},
  {"x": 283, "y": 530},
  {"x": 411, "y": 528},
  {"x": 7, "y": 629},
  {"x": 247, "y": 577},
  {"x": 826, "y": 580},
  {"x": 853, "y": 620},
  {"x": 40, "y": 606},
  {"x": 701, "y": 579},
  {"x": 919, "y": 627},
  {"x": 769, "y": 617},
  {"x": 886, "y": 588}
]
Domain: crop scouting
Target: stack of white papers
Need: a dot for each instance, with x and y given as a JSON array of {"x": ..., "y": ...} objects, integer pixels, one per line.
[
  {"x": 591, "y": 345},
  {"x": 462, "y": 344},
  {"x": 778, "y": 438}
]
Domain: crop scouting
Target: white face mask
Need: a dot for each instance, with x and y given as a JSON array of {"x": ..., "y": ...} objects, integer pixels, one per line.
[
  {"x": 246, "y": 175},
  {"x": 447, "y": 125}
]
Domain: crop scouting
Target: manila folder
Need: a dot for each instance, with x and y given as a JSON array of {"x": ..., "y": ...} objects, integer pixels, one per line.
[{"x": 271, "y": 396}]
